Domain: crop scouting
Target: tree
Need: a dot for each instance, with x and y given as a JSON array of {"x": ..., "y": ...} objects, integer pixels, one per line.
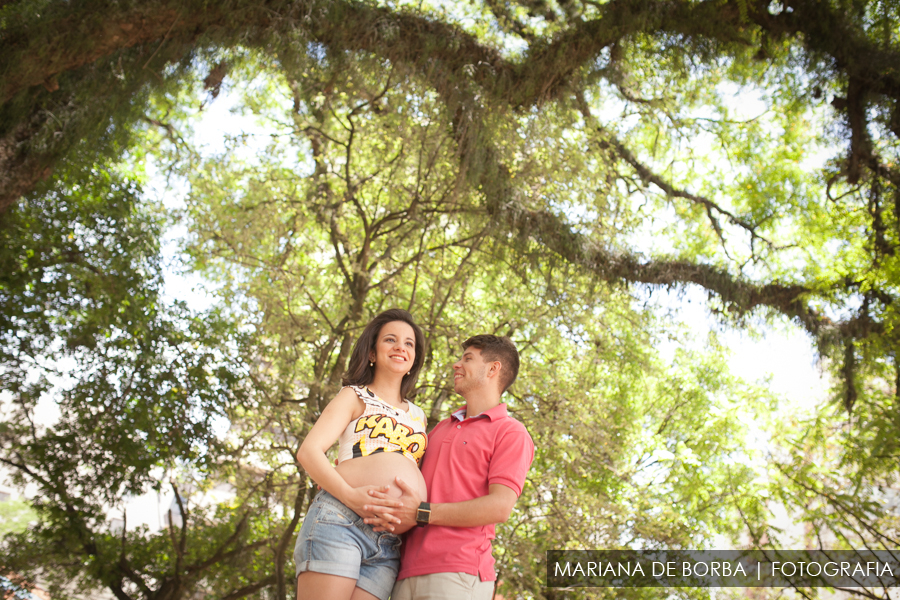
[
  {"x": 573, "y": 49},
  {"x": 570, "y": 147},
  {"x": 372, "y": 215},
  {"x": 142, "y": 386}
]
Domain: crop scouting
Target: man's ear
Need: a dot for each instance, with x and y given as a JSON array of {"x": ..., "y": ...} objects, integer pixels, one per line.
[{"x": 495, "y": 368}]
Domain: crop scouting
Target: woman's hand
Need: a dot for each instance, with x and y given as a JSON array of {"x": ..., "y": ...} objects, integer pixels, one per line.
[
  {"x": 389, "y": 513},
  {"x": 357, "y": 499}
]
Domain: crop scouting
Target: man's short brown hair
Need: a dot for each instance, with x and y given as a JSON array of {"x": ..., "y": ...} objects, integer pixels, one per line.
[{"x": 495, "y": 347}]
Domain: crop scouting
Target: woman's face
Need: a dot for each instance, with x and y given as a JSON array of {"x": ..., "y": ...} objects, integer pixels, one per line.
[{"x": 395, "y": 348}]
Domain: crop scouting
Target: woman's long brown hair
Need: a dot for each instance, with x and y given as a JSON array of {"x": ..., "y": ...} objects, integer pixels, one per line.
[{"x": 360, "y": 373}]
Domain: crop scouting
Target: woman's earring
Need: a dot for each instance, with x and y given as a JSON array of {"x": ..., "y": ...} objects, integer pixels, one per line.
[{"x": 371, "y": 364}]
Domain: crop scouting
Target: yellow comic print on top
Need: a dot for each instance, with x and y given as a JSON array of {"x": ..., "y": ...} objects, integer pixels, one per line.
[{"x": 378, "y": 427}]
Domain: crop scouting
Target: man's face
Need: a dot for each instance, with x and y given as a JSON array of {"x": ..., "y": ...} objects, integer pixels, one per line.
[{"x": 470, "y": 372}]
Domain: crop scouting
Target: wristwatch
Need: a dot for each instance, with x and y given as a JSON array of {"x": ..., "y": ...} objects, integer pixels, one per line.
[{"x": 423, "y": 514}]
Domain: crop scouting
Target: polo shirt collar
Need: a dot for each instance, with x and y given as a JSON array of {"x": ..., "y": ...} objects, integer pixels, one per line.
[{"x": 498, "y": 412}]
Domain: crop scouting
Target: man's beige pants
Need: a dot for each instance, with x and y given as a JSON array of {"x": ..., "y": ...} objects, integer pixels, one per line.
[{"x": 443, "y": 586}]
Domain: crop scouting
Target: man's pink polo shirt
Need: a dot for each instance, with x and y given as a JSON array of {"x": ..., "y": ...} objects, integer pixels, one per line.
[{"x": 464, "y": 457}]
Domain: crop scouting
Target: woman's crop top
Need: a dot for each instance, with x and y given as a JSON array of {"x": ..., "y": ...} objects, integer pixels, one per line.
[{"x": 383, "y": 428}]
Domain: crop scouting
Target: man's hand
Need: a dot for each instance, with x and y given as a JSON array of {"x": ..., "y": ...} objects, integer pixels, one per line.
[{"x": 388, "y": 515}]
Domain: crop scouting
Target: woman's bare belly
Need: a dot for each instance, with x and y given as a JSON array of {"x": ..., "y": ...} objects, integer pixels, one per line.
[{"x": 380, "y": 469}]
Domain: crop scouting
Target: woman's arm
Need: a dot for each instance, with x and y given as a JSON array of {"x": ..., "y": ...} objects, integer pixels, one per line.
[{"x": 344, "y": 408}]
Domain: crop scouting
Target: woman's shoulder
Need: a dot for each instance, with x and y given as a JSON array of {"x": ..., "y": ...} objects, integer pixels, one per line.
[
  {"x": 348, "y": 396},
  {"x": 348, "y": 401},
  {"x": 360, "y": 391},
  {"x": 365, "y": 396}
]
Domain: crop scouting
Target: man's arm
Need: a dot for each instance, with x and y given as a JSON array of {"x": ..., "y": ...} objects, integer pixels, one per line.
[
  {"x": 486, "y": 510},
  {"x": 493, "y": 508}
]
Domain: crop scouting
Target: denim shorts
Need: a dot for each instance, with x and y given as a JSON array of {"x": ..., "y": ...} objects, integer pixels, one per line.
[{"x": 335, "y": 541}]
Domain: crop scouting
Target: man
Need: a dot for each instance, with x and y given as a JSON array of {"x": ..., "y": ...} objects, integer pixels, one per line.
[{"x": 475, "y": 466}]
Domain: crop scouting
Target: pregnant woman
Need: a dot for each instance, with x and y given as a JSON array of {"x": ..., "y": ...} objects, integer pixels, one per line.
[{"x": 381, "y": 436}]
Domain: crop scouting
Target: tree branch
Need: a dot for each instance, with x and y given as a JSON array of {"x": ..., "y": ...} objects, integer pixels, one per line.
[
  {"x": 71, "y": 36},
  {"x": 648, "y": 176},
  {"x": 286, "y": 537},
  {"x": 250, "y": 589}
]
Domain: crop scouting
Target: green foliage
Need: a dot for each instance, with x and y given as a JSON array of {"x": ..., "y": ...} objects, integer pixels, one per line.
[
  {"x": 500, "y": 166},
  {"x": 630, "y": 450},
  {"x": 15, "y": 516},
  {"x": 139, "y": 384}
]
